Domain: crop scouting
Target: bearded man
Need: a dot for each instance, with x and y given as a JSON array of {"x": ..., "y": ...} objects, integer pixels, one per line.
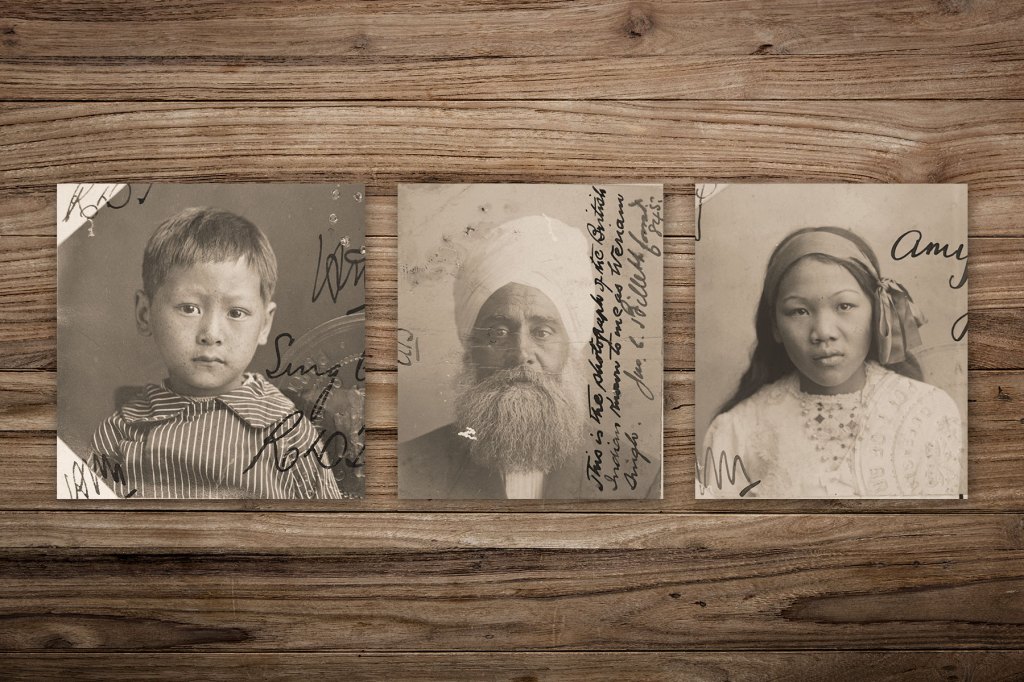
[{"x": 524, "y": 316}]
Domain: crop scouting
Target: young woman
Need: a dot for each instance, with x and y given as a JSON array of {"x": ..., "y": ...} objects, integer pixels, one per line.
[{"x": 832, "y": 405}]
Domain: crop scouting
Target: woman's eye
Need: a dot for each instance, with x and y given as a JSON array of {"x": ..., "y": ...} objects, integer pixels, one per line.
[
  {"x": 237, "y": 313},
  {"x": 542, "y": 333},
  {"x": 794, "y": 312},
  {"x": 189, "y": 309},
  {"x": 846, "y": 306}
]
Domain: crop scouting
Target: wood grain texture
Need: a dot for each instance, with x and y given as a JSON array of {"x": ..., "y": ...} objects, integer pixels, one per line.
[
  {"x": 566, "y": 581},
  {"x": 981, "y": 143},
  {"x": 605, "y": 28},
  {"x": 654, "y": 666},
  {"x": 664, "y": 77},
  {"x": 522, "y": 91}
]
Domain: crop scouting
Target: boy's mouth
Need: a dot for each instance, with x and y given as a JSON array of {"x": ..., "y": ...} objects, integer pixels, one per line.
[{"x": 207, "y": 359}]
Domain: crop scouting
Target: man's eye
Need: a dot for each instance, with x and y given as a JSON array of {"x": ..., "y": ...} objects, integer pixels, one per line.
[
  {"x": 238, "y": 313},
  {"x": 495, "y": 334},
  {"x": 189, "y": 309}
]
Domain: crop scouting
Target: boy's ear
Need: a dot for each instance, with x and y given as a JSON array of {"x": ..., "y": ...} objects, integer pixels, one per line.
[
  {"x": 267, "y": 323},
  {"x": 142, "y": 313}
]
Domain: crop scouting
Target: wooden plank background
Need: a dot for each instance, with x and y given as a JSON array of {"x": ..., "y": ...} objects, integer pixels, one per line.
[{"x": 519, "y": 91}]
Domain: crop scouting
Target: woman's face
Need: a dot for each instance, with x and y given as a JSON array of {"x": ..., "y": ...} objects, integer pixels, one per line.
[{"x": 823, "y": 319}]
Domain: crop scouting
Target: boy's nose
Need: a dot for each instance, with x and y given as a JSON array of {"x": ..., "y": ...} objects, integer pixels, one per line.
[{"x": 210, "y": 335}]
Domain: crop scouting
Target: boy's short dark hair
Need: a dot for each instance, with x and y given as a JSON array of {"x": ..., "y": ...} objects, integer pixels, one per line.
[{"x": 207, "y": 235}]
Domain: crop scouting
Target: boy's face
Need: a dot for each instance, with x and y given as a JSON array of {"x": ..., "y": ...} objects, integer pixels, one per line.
[{"x": 207, "y": 321}]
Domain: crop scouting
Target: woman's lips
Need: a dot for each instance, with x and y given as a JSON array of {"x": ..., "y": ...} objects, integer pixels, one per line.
[{"x": 829, "y": 359}]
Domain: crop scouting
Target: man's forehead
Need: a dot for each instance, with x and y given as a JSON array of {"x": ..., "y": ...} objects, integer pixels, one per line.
[{"x": 518, "y": 301}]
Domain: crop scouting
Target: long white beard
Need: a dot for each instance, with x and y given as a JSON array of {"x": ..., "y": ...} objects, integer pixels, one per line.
[{"x": 524, "y": 420}]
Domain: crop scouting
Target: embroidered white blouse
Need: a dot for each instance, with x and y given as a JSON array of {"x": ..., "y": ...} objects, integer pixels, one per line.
[{"x": 896, "y": 437}]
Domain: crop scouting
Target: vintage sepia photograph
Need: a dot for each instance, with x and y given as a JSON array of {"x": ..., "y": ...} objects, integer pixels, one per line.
[
  {"x": 530, "y": 349},
  {"x": 831, "y": 341},
  {"x": 210, "y": 341}
]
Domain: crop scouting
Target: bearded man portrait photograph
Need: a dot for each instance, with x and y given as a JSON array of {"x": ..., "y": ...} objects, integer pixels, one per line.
[{"x": 509, "y": 353}]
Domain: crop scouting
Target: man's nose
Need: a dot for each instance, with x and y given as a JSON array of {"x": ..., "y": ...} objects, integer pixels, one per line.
[
  {"x": 524, "y": 353},
  {"x": 824, "y": 328},
  {"x": 210, "y": 331}
]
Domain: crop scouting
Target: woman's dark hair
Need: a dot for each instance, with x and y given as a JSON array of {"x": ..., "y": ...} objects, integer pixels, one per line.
[{"x": 769, "y": 361}]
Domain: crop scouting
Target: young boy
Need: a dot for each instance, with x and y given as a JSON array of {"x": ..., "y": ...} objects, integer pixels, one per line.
[{"x": 211, "y": 430}]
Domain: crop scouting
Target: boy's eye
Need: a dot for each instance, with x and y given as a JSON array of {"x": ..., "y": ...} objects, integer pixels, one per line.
[
  {"x": 189, "y": 308},
  {"x": 238, "y": 313}
]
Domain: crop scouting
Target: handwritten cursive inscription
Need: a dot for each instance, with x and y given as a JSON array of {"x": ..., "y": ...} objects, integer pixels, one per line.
[
  {"x": 101, "y": 466},
  {"x": 909, "y": 245},
  {"x": 625, "y": 238},
  {"x": 959, "y": 329},
  {"x": 287, "y": 458},
  {"x": 87, "y": 205},
  {"x": 408, "y": 347},
  {"x": 912, "y": 244},
  {"x": 723, "y": 470},
  {"x": 343, "y": 266}
]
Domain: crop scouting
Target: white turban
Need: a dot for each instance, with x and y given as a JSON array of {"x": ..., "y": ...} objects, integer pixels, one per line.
[{"x": 535, "y": 251}]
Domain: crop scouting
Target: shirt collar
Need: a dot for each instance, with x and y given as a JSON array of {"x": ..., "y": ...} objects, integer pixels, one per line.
[{"x": 256, "y": 402}]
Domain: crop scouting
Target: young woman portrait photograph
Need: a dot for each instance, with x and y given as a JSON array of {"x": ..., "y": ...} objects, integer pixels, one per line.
[{"x": 828, "y": 359}]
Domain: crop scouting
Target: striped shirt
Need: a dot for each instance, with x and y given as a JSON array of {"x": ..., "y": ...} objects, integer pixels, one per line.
[{"x": 251, "y": 442}]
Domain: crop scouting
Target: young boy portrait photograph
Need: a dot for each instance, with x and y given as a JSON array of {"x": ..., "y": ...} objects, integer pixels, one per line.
[{"x": 203, "y": 353}]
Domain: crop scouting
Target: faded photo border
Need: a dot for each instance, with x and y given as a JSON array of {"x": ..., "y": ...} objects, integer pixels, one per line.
[
  {"x": 314, "y": 353},
  {"x": 919, "y": 234},
  {"x": 618, "y": 230}
]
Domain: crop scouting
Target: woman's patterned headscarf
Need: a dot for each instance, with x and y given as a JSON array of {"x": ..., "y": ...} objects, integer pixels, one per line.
[{"x": 898, "y": 317}]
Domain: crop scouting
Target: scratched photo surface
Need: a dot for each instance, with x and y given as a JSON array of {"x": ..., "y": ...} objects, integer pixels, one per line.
[
  {"x": 530, "y": 350},
  {"x": 821, "y": 373},
  {"x": 201, "y": 383}
]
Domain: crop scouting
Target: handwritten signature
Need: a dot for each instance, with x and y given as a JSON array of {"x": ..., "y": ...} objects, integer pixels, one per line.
[
  {"x": 82, "y": 194},
  {"x": 912, "y": 244},
  {"x": 722, "y": 468},
  {"x": 908, "y": 245},
  {"x": 408, "y": 348},
  {"x": 100, "y": 464},
  {"x": 343, "y": 266}
]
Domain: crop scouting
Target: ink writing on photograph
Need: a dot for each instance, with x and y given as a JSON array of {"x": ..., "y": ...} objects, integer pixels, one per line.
[
  {"x": 912, "y": 244},
  {"x": 349, "y": 450},
  {"x": 625, "y": 244},
  {"x": 102, "y": 471},
  {"x": 88, "y": 198},
  {"x": 723, "y": 470},
  {"x": 343, "y": 266},
  {"x": 702, "y": 192},
  {"x": 408, "y": 347}
]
